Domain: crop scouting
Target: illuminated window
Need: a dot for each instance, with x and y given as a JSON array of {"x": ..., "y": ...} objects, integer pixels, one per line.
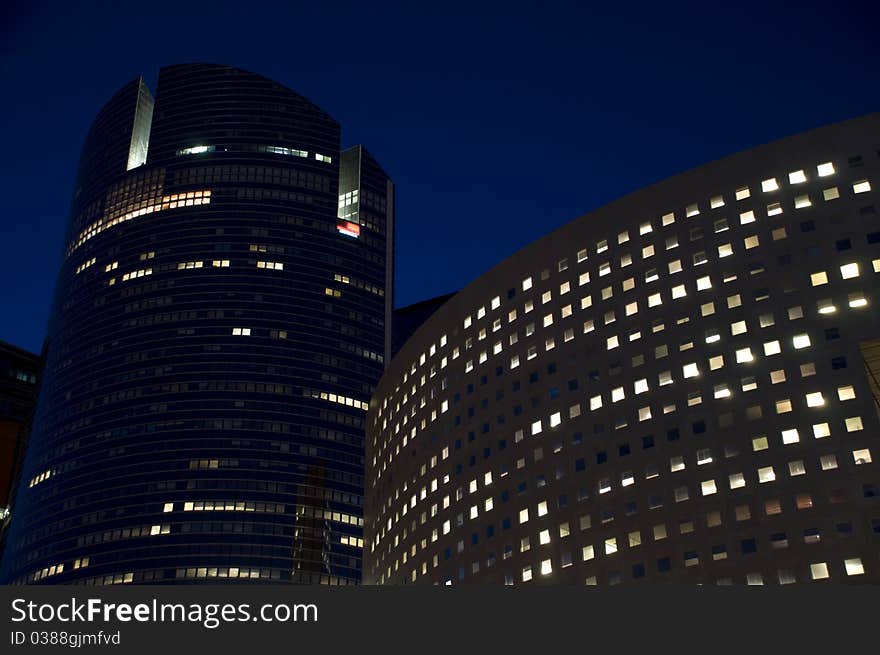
[
  {"x": 704, "y": 283},
  {"x": 725, "y": 250},
  {"x": 797, "y": 177},
  {"x": 668, "y": 219},
  {"x": 759, "y": 443},
  {"x": 854, "y": 424},
  {"x": 856, "y": 300},
  {"x": 783, "y": 406},
  {"x": 815, "y": 399},
  {"x": 821, "y": 430},
  {"x": 790, "y": 436},
  {"x": 828, "y": 462},
  {"x": 742, "y": 193},
  {"x": 751, "y": 242},
  {"x": 707, "y": 487},
  {"x": 774, "y": 209},
  {"x": 819, "y": 571},
  {"x": 862, "y": 186},
  {"x": 862, "y": 456},
  {"x": 678, "y": 291},
  {"x": 527, "y": 284},
  {"x": 244, "y": 332},
  {"x": 825, "y": 169},
  {"x": 850, "y": 270},
  {"x": 744, "y": 355},
  {"x": 769, "y": 185},
  {"x": 802, "y": 201},
  {"x": 690, "y": 370},
  {"x": 801, "y": 341},
  {"x": 853, "y": 566},
  {"x": 747, "y": 217},
  {"x": 766, "y": 474},
  {"x": 831, "y": 193}
]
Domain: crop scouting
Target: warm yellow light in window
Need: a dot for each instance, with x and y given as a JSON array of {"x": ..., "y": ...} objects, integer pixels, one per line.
[
  {"x": 790, "y": 436},
  {"x": 857, "y": 300},
  {"x": 766, "y": 474},
  {"x": 769, "y": 185},
  {"x": 815, "y": 399},
  {"x": 846, "y": 392},
  {"x": 854, "y": 566},
  {"x": 821, "y": 430},
  {"x": 801, "y": 341},
  {"x": 819, "y": 571},
  {"x": 825, "y": 169},
  {"x": 747, "y": 217},
  {"x": 826, "y": 306},
  {"x": 848, "y": 271},
  {"x": 862, "y": 186},
  {"x": 744, "y": 355},
  {"x": 797, "y": 177}
]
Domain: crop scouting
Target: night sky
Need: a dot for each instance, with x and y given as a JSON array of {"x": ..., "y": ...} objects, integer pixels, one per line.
[{"x": 497, "y": 124}]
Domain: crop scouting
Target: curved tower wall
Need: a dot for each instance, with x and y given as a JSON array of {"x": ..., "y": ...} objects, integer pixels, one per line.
[{"x": 679, "y": 386}]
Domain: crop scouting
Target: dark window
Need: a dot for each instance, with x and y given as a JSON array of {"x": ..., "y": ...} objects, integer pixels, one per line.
[
  {"x": 648, "y": 442},
  {"x": 638, "y": 571},
  {"x": 749, "y": 546},
  {"x": 832, "y": 333},
  {"x": 808, "y": 226},
  {"x": 843, "y": 244},
  {"x": 838, "y": 362},
  {"x": 601, "y": 457},
  {"x": 664, "y": 564}
]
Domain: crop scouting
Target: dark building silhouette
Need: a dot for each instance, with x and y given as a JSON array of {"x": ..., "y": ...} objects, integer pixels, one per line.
[
  {"x": 680, "y": 386},
  {"x": 406, "y": 320},
  {"x": 19, "y": 374},
  {"x": 219, "y": 323}
]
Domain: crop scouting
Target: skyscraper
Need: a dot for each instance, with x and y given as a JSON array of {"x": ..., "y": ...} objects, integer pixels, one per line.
[
  {"x": 680, "y": 386},
  {"x": 219, "y": 323}
]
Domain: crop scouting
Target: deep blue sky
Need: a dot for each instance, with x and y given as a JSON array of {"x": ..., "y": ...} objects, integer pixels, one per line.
[{"x": 497, "y": 123}]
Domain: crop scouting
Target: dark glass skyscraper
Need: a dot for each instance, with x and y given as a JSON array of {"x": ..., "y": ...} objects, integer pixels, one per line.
[{"x": 218, "y": 327}]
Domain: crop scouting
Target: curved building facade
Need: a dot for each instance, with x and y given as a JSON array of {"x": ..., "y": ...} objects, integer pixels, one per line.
[
  {"x": 679, "y": 386},
  {"x": 219, "y": 325}
]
